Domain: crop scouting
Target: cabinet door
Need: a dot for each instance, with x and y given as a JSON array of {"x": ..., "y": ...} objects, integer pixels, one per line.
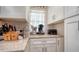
[
  {"x": 36, "y": 45},
  {"x": 72, "y": 37},
  {"x": 50, "y": 45},
  {"x": 71, "y": 10},
  {"x": 60, "y": 44},
  {"x": 36, "y": 49},
  {"x": 55, "y": 13},
  {"x": 36, "y": 42},
  {"x": 52, "y": 49}
]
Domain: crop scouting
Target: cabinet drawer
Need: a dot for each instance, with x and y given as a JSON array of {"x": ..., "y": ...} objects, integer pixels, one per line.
[
  {"x": 36, "y": 41},
  {"x": 36, "y": 45},
  {"x": 44, "y": 45},
  {"x": 43, "y": 40},
  {"x": 50, "y": 41},
  {"x": 50, "y": 45}
]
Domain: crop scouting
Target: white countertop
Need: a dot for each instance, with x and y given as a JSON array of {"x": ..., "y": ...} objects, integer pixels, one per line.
[
  {"x": 20, "y": 45},
  {"x": 10, "y": 46}
]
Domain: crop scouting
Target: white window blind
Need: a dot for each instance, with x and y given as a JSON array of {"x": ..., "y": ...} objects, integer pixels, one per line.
[{"x": 37, "y": 17}]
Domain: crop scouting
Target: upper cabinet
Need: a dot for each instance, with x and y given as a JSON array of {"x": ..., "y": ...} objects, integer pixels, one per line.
[
  {"x": 13, "y": 11},
  {"x": 55, "y": 13},
  {"x": 71, "y": 11}
]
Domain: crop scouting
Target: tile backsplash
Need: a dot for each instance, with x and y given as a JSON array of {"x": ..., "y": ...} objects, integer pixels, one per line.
[
  {"x": 20, "y": 25},
  {"x": 59, "y": 27}
]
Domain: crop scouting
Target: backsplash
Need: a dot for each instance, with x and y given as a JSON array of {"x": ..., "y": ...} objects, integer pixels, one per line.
[
  {"x": 20, "y": 25},
  {"x": 59, "y": 27}
]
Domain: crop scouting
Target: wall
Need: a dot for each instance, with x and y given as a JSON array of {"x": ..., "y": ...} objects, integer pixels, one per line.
[
  {"x": 19, "y": 25},
  {"x": 59, "y": 27}
]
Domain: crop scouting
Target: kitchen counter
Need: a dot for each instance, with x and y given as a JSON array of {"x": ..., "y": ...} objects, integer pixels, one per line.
[
  {"x": 45, "y": 36},
  {"x": 10, "y": 46},
  {"x": 21, "y": 44}
]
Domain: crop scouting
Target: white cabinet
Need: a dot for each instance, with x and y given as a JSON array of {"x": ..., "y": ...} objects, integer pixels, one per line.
[
  {"x": 46, "y": 45},
  {"x": 43, "y": 45},
  {"x": 36, "y": 45},
  {"x": 36, "y": 49},
  {"x": 72, "y": 34},
  {"x": 52, "y": 49},
  {"x": 13, "y": 11},
  {"x": 71, "y": 10},
  {"x": 55, "y": 13}
]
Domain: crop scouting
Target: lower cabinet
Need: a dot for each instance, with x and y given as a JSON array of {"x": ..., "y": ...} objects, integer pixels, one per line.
[
  {"x": 51, "y": 49},
  {"x": 43, "y": 49},
  {"x": 46, "y": 45}
]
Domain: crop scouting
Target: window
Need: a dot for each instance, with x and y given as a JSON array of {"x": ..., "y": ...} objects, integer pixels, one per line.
[{"x": 37, "y": 17}]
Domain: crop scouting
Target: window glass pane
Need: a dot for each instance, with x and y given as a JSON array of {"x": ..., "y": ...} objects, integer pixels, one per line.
[{"x": 37, "y": 17}]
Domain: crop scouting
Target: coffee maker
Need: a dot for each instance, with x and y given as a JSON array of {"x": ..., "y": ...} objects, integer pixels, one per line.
[{"x": 40, "y": 29}]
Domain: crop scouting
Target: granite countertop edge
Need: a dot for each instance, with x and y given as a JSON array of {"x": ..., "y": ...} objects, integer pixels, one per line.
[{"x": 21, "y": 49}]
